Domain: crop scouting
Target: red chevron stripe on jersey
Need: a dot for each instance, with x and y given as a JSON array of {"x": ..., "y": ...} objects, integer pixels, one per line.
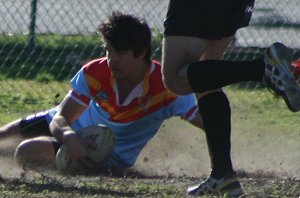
[{"x": 100, "y": 83}]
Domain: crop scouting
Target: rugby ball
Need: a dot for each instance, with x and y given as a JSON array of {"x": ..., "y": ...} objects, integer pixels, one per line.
[{"x": 104, "y": 139}]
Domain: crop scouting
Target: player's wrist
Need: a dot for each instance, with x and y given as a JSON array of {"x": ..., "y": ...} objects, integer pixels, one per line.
[{"x": 68, "y": 136}]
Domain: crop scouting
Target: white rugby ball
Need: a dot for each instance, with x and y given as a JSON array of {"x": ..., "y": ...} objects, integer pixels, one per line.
[{"x": 104, "y": 139}]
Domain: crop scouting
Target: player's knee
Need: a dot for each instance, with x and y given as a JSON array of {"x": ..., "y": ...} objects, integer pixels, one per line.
[
  {"x": 177, "y": 84},
  {"x": 35, "y": 152},
  {"x": 22, "y": 153}
]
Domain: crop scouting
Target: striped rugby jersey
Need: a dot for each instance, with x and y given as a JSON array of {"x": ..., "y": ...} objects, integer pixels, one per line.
[{"x": 135, "y": 121}]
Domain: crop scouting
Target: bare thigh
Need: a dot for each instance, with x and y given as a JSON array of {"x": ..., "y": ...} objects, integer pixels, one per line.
[
  {"x": 179, "y": 51},
  {"x": 215, "y": 48}
]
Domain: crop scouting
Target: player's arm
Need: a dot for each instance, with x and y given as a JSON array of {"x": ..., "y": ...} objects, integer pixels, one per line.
[
  {"x": 60, "y": 127},
  {"x": 186, "y": 106},
  {"x": 70, "y": 109}
]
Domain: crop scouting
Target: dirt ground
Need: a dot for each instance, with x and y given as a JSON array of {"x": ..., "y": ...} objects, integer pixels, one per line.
[
  {"x": 182, "y": 151},
  {"x": 179, "y": 151}
]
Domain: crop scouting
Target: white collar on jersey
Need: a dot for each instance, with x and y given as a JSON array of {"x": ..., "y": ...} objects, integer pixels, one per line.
[{"x": 135, "y": 93}]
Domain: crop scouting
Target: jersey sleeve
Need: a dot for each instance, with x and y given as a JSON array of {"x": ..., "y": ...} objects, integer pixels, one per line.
[
  {"x": 80, "y": 90},
  {"x": 184, "y": 106}
]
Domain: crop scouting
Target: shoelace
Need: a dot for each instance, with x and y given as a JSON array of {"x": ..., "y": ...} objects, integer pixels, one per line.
[
  {"x": 207, "y": 186},
  {"x": 271, "y": 86}
]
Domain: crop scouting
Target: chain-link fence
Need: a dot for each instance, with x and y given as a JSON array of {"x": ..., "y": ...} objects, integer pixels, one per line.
[{"x": 43, "y": 43}]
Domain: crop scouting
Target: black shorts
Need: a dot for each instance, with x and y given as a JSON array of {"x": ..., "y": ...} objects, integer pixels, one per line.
[
  {"x": 37, "y": 125},
  {"x": 208, "y": 19}
]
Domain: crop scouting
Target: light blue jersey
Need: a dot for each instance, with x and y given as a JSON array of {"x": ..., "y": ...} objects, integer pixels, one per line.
[{"x": 135, "y": 121}]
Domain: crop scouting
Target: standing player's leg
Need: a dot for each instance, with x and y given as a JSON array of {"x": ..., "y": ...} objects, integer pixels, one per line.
[{"x": 213, "y": 105}]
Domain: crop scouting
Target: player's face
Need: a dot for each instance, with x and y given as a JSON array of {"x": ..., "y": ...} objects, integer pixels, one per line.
[{"x": 121, "y": 63}]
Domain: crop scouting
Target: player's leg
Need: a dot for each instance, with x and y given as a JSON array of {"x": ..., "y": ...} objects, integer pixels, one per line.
[
  {"x": 37, "y": 152},
  {"x": 177, "y": 52},
  {"x": 213, "y": 105},
  {"x": 30, "y": 126},
  {"x": 215, "y": 110},
  {"x": 213, "y": 74},
  {"x": 210, "y": 72},
  {"x": 189, "y": 25},
  {"x": 30, "y": 129},
  {"x": 10, "y": 129},
  {"x": 274, "y": 69}
]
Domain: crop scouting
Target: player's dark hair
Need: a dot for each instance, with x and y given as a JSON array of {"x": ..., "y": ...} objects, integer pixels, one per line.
[{"x": 127, "y": 32}]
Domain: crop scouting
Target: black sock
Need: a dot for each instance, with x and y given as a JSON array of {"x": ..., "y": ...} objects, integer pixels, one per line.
[
  {"x": 212, "y": 74},
  {"x": 215, "y": 111}
]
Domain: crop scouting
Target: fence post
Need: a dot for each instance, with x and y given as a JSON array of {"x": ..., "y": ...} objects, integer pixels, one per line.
[{"x": 31, "y": 42}]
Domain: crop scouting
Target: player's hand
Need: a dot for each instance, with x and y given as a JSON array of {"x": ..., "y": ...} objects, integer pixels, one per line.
[
  {"x": 77, "y": 149},
  {"x": 89, "y": 144}
]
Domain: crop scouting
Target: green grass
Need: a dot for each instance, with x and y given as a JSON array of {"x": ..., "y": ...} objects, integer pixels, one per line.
[
  {"x": 60, "y": 57},
  {"x": 263, "y": 107},
  {"x": 22, "y": 97},
  {"x": 57, "y": 56}
]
